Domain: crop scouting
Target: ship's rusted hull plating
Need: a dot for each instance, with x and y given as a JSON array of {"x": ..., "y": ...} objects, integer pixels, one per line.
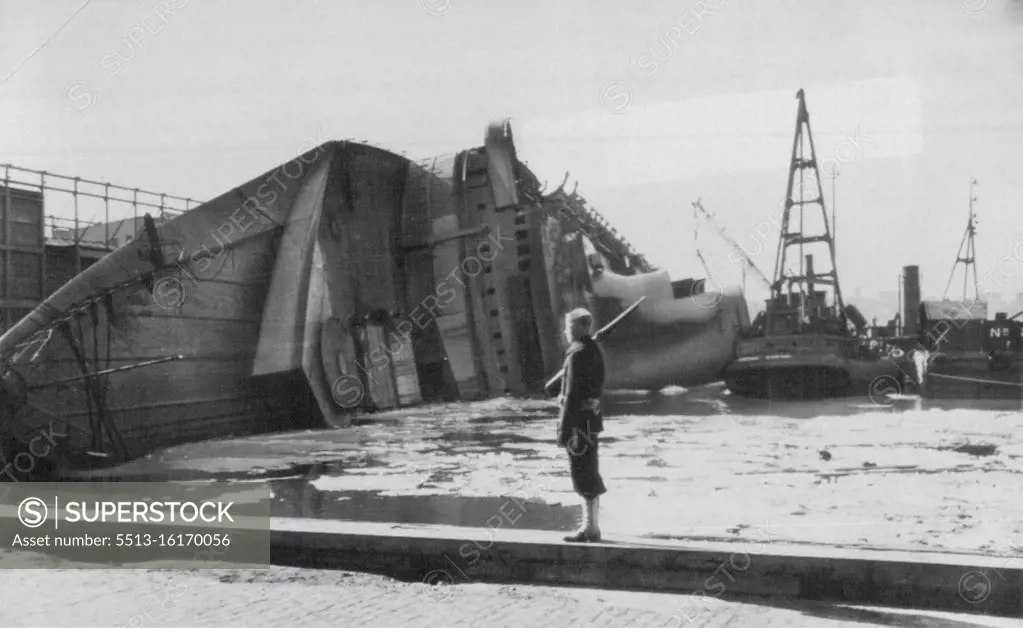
[{"x": 348, "y": 278}]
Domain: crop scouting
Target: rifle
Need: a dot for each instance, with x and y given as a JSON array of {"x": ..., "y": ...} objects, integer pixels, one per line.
[{"x": 553, "y": 386}]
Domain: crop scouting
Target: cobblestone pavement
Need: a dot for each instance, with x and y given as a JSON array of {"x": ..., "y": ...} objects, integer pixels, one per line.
[{"x": 285, "y": 598}]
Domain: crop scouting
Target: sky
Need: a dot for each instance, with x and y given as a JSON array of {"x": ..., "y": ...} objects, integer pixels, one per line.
[{"x": 648, "y": 105}]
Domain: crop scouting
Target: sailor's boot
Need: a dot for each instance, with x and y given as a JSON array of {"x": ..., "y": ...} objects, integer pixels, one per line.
[{"x": 583, "y": 534}]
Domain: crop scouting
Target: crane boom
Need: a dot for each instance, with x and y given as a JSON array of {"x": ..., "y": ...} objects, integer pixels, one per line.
[{"x": 698, "y": 206}]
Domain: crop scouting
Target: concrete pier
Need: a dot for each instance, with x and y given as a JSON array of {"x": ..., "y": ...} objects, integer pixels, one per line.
[{"x": 451, "y": 555}]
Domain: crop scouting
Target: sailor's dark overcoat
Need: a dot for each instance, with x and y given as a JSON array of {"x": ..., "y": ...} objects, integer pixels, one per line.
[{"x": 581, "y": 415}]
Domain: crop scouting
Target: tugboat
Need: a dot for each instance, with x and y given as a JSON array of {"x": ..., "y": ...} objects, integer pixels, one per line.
[
  {"x": 807, "y": 343},
  {"x": 965, "y": 355}
]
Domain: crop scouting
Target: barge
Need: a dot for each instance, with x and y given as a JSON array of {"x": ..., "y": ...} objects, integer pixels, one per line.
[
  {"x": 962, "y": 354},
  {"x": 968, "y": 356}
]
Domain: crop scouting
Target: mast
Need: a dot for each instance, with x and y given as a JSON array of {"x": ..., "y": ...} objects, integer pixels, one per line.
[
  {"x": 967, "y": 255},
  {"x": 834, "y": 219},
  {"x": 785, "y": 285}
]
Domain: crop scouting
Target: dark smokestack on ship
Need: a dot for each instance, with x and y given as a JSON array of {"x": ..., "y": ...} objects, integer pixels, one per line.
[{"x": 911, "y": 300}]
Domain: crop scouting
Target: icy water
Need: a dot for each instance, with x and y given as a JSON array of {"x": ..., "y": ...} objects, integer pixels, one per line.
[{"x": 903, "y": 474}]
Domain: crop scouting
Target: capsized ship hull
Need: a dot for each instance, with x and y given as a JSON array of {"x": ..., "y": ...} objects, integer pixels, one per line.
[
  {"x": 348, "y": 278},
  {"x": 208, "y": 325},
  {"x": 680, "y": 335}
]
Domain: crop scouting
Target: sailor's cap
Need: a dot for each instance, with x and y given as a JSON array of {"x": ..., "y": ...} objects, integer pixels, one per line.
[{"x": 578, "y": 313}]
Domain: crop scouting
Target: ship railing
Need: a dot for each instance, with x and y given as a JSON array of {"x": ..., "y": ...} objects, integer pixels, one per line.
[{"x": 74, "y": 206}]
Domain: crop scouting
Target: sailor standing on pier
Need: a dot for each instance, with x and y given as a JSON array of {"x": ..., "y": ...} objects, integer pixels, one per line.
[{"x": 581, "y": 420}]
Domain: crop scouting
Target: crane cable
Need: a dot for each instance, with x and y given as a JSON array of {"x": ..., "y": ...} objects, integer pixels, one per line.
[{"x": 697, "y": 208}]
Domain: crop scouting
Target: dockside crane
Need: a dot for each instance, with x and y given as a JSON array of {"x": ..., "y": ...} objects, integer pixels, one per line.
[{"x": 808, "y": 343}]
